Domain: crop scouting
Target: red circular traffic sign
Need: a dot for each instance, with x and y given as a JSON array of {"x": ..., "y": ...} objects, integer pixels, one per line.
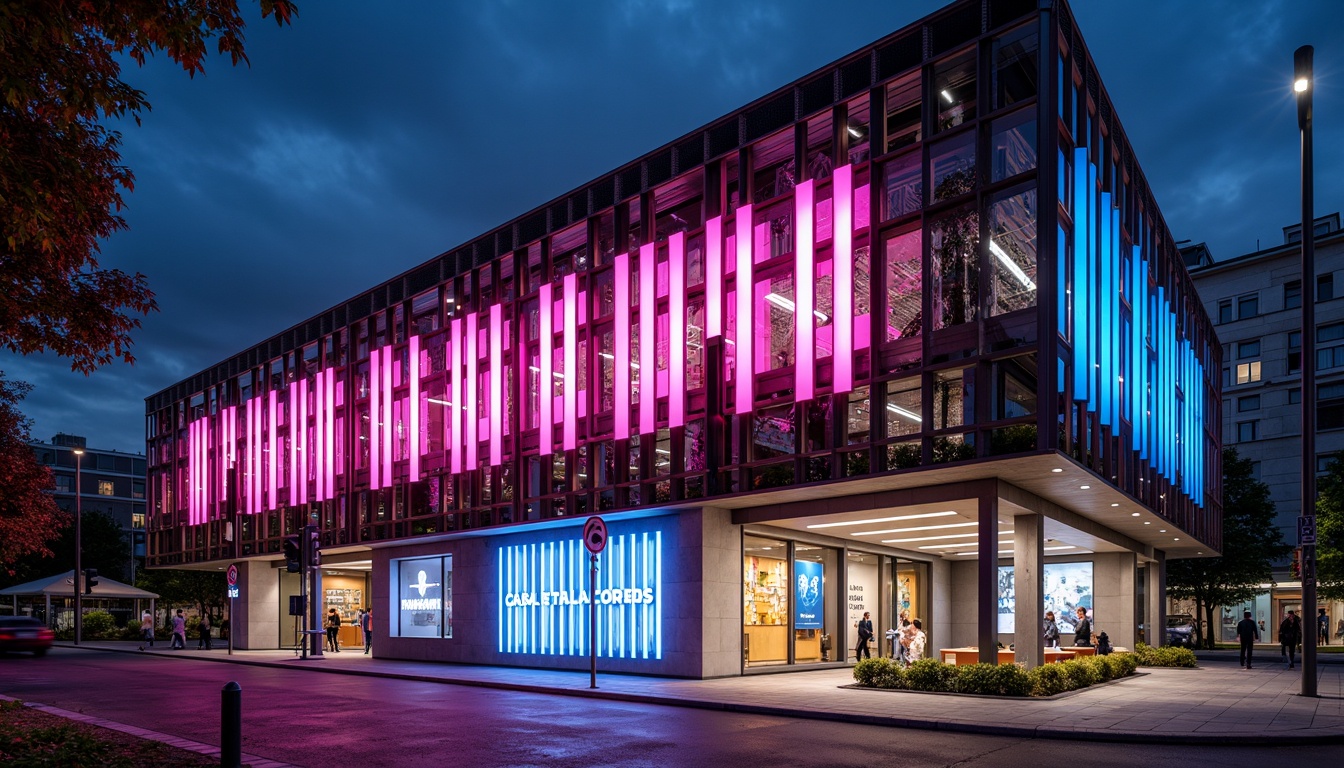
[
  {"x": 595, "y": 534},
  {"x": 232, "y": 574}
]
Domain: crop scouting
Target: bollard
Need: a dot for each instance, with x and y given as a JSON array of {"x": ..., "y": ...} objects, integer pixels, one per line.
[{"x": 231, "y": 726}]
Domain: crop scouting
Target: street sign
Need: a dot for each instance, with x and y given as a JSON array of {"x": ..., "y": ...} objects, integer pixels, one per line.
[
  {"x": 595, "y": 535},
  {"x": 1306, "y": 530},
  {"x": 232, "y": 574}
]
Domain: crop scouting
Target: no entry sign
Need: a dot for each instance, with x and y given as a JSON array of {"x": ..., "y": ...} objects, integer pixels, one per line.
[{"x": 595, "y": 535}]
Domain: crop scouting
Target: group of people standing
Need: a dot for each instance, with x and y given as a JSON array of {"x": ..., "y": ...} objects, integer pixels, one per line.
[
  {"x": 1290, "y": 636},
  {"x": 909, "y": 640},
  {"x": 1082, "y": 630},
  {"x": 364, "y": 622}
]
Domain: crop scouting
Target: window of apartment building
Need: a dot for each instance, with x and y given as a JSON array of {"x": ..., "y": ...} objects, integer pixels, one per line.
[
  {"x": 1225, "y": 311},
  {"x": 138, "y": 489},
  {"x": 1325, "y": 287},
  {"x": 1292, "y": 294},
  {"x": 137, "y": 520},
  {"x": 1247, "y": 431},
  {"x": 1294, "y": 351},
  {"x": 1324, "y": 460},
  {"x": 65, "y": 484},
  {"x": 1248, "y": 403},
  {"x": 1330, "y": 406},
  {"x": 105, "y": 488},
  {"x": 1248, "y": 306},
  {"x": 1295, "y": 396},
  {"x": 1332, "y": 356},
  {"x": 1248, "y": 372},
  {"x": 1247, "y": 349}
]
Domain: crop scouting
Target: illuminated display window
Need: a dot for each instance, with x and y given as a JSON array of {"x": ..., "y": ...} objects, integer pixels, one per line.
[{"x": 424, "y": 595}]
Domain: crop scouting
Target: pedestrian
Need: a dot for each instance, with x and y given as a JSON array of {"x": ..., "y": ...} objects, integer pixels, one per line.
[
  {"x": 203, "y": 639},
  {"x": 865, "y": 626},
  {"x": 146, "y": 630},
  {"x": 179, "y": 632},
  {"x": 333, "y": 628},
  {"x": 1322, "y": 628},
  {"x": 917, "y": 640},
  {"x": 1290, "y": 634},
  {"x": 366, "y": 624},
  {"x": 1247, "y": 633},
  {"x": 903, "y": 642},
  {"x": 1050, "y": 630},
  {"x": 1082, "y": 633}
]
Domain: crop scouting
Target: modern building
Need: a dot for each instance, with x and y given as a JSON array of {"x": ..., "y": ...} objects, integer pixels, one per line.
[
  {"x": 1257, "y": 300},
  {"x": 907, "y": 336},
  {"x": 110, "y": 482}
]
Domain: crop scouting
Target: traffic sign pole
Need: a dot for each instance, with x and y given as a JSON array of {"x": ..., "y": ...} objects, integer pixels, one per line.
[
  {"x": 233, "y": 590},
  {"x": 595, "y": 539}
]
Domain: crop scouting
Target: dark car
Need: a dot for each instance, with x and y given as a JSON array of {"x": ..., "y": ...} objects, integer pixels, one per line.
[
  {"x": 1181, "y": 630},
  {"x": 22, "y": 633}
]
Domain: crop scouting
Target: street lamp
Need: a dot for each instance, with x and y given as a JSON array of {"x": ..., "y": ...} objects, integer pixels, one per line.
[
  {"x": 1302, "y": 87},
  {"x": 79, "y": 549}
]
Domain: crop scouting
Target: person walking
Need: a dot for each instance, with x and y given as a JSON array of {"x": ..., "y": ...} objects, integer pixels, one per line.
[
  {"x": 366, "y": 625},
  {"x": 1082, "y": 633},
  {"x": 1247, "y": 633},
  {"x": 203, "y": 641},
  {"x": 1322, "y": 628},
  {"x": 146, "y": 630},
  {"x": 179, "y": 632},
  {"x": 1290, "y": 634},
  {"x": 1050, "y": 630},
  {"x": 865, "y": 634},
  {"x": 333, "y": 628}
]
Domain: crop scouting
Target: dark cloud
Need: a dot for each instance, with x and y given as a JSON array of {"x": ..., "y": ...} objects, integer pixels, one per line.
[{"x": 366, "y": 139}]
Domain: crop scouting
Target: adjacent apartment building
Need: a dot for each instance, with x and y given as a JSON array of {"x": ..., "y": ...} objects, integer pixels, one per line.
[
  {"x": 908, "y": 336},
  {"x": 1256, "y": 300}
]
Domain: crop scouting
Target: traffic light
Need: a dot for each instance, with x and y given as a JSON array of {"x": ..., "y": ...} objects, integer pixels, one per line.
[
  {"x": 314, "y": 540},
  {"x": 90, "y": 580},
  {"x": 293, "y": 554},
  {"x": 1296, "y": 567}
]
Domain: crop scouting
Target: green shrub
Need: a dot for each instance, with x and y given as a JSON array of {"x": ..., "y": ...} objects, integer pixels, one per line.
[
  {"x": 1049, "y": 679},
  {"x": 993, "y": 680},
  {"x": 1164, "y": 656},
  {"x": 1097, "y": 667},
  {"x": 867, "y": 671},
  {"x": 975, "y": 678},
  {"x": 931, "y": 675},
  {"x": 1120, "y": 664},
  {"x": 892, "y": 677},
  {"x": 1012, "y": 680},
  {"x": 1080, "y": 674},
  {"x": 100, "y": 625}
]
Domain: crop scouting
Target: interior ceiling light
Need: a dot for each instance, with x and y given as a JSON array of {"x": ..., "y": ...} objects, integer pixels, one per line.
[
  {"x": 1147, "y": 522},
  {"x": 1084, "y": 487},
  {"x": 1008, "y": 262},
  {"x": 1116, "y": 504},
  {"x": 1134, "y": 514},
  {"x": 916, "y": 528},
  {"x": 920, "y": 516},
  {"x": 786, "y": 304},
  {"x": 937, "y": 538},
  {"x": 904, "y": 413},
  {"x": 1056, "y": 469},
  {"x": 948, "y": 546},
  {"x": 1057, "y": 549}
]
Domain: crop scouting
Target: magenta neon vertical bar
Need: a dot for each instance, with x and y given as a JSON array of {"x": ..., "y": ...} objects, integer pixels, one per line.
[
  {"x": 571, "y": 350},
  {"x": 331, "y": 433},
  {"x": 387, "y": 401},
  {"x": 455, "y": 397},
  {"x": 473, "y": 414},
  {"x": 496, "y": 385},
  {"x": 301, "y": 483},
  {"x": 292, "y": 480},
  {"x": 714, "y": 277},
  {"x": 273, "y": 439},
  {"x": 743, "y": 373},
  {"x": 319, "y": 446},
  {"x": 375, "y": 415},
  {"x": 621, "y": 356},
  {"x": 414, "y": 407},
  {"x": 803, "y": 294},
  {"x": 258, "y": 452},
  {"x": 676, "y": 338},
  {"x": 842, "y": 281},
  {"x": 191, "y": 473},
  {"x": 648, "y": 314},
  {"x": 248, "y": 488},
  {"x": 545, "y": 385}
]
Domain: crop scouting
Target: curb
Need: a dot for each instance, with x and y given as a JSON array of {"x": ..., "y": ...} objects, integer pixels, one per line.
[{"x": 1276, "y": 738}]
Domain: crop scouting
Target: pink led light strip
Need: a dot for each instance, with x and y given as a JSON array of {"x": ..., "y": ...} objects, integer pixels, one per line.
[
  {"x": 545, "y": 385},
  {"x": 842, "y": 281},
  {"x": 803, "y": 288},
  {"x": 621, "y": 356},
  {"x": 386, "y": 401},
  {"x": 375, "y": 415},
  {"x": 571, "y": 381},
  {"x": 714, "y": 278},
  {"x": 273, "y": 451},
  {"x": 473, "y": 414},
  {"x": 413, "y": 402},
  {"x": 677, "y": 339},
  {"x": 496, "y": 385},
  {"x": 743, "y": 373},
  {"x": 648, "y": 314},
  {"x": 455, "y": 396}
]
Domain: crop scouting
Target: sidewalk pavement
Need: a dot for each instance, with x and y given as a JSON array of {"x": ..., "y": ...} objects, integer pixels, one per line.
[{"x": 1218, "y": 703}]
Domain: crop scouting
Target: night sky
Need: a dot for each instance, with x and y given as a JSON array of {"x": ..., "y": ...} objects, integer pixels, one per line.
[{"x": 366, "y": 139}]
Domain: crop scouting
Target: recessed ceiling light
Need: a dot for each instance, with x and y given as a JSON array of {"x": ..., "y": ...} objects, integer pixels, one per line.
[
  {"x": 1176, "y": 538},
  {"x": 1116, "y": 504},
  {"x": 1056, "y": 469},
  {"x": 915, "y": 528},
  {"x": 885, "y": 519},
  {"x": 1133, "y": 514},
  {"x": 1162, "y": 530},
  {"x": 1084, "y": 487},
  {"x": 1056, "y": 549},
  {"x": 1147, "y": 522}
]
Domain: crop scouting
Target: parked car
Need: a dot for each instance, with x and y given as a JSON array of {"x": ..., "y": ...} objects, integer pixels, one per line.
[
  {"x": 24, "y": 633},
  {"x": 1181, "y": 630}
]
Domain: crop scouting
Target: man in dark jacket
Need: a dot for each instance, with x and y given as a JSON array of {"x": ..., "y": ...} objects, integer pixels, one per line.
[
  {"x": 1247, "y": 633},
  {"x": 1290, "y": 634}
]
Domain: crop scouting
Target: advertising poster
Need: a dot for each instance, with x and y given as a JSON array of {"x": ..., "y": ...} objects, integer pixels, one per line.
[
  {"x": 809, "y": 601},
  {"x": 1066, "y": 587},
  {"x": 422, "y": 597}
]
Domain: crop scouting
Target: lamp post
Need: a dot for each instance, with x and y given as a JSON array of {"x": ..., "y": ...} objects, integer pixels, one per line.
[
  {"x": 1302, "y": 86},
  {"x": 79, "y": 549}
]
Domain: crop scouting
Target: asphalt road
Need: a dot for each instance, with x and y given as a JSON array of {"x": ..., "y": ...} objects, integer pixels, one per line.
[{"x": 327, "y": 720}]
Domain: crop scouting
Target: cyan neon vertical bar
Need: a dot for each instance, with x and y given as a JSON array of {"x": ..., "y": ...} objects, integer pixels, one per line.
[
  {"x": 1065, "y": 293},
  {"x": 621, "y": 356},
  {"x": 544, "y": 624},
  {"x": 648, "y": 315},
  {"x": 641, "y": 585},
  {"x": 571, "y": 352},
  {"x": 842, "y": 279},
  {"x": 1081, "y": 305},
  {"x": 743, "y": 341},
  {"x": 1094, "y": 325},
  {"x": 658, "y": 594},
  {"x": 500, "y": 595},
  {"x": 714, "y": 277},
  {"x": 804, "y": 277},
  {"x": 677, "y": 337},
  {"x": 1106, "y": 307},
  {"x": 473, "y": 395},
  {"x": 546, "y": 385}
]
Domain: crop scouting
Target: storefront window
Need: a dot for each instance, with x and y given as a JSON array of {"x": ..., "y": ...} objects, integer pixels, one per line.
[
  {"x": 1012, "y": 249},
  {"x": 814, "y": 581},
  {"x": 425, "y": 597},
  {"x": 862, "y": 597},
  {"x": 765, "y": 600}
]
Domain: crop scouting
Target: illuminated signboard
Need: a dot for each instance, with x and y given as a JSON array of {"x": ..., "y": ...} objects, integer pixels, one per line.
[
  {"x": 1065, "y": 588},
  {"x": 544, "y": 602},
  {"x": 809, "y": 601},
  {"x": 424, "y": 597}
]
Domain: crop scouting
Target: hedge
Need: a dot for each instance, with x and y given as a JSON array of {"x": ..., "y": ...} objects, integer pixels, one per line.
[
  {"x": 994, "y": 679},
  {"x": 1164, "y": 656}
]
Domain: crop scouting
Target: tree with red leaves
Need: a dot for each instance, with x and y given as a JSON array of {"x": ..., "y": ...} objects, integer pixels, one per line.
[{"x": 29, "y": 517}]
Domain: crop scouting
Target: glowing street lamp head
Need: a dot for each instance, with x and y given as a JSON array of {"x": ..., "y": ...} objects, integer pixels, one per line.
[
  {"x": 1301, "y": 84},
  {"x": 1302, "y": 77}
]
